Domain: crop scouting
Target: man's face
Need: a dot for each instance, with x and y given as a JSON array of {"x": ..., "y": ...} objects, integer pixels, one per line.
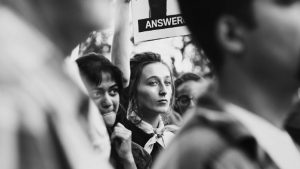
[
  {"x": 273, "y": 46},
  {"x": 187, "y": 94}
]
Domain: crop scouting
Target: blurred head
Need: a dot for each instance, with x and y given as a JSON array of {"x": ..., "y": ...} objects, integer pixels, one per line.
[
  {"x": 261, "y": 36},
  {"x": 104, "y": 83},
  {"x": 151, "y": 85},
  {"x": 66, "y": 22},
  {"x": 203, "y": 25}
]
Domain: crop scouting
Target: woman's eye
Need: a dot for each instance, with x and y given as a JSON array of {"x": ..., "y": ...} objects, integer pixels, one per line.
[
  {"x": 153, "y": 83},
  {"x": 168, "y": 83},
  {"x": 96, "y": 94},
  {"x": 113, "y": 92}
]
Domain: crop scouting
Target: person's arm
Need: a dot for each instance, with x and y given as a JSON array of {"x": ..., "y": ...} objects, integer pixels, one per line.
[
  {"x": 122, "y": 141},
  {"x": 129, "y": 163},
  {"x": 121, "y": 47}
]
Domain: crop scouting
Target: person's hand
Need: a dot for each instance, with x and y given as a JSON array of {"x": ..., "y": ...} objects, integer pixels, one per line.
[{"x": 121, "y": 138}]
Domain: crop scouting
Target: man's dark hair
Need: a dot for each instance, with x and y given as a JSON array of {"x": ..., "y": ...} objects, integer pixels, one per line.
[
  {"x": 202, "y": 16},
  {"x": 186, "y": 77},
  {"x": 92, "y": 66}
]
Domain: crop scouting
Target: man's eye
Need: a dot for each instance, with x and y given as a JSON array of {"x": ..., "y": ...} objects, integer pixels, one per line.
[{"x": 184, "y": 100}]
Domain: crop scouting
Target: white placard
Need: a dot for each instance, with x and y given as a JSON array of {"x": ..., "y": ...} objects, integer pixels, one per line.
[{"x": 156, "y": 19}]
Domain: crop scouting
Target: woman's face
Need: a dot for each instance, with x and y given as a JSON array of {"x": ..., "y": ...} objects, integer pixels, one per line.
[
  {"x": 154, "y": 90},
  {"x": 107, "y": 98}
]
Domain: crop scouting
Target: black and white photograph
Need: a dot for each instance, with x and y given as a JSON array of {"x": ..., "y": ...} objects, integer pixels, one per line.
[{"x": 150, "y": 84}]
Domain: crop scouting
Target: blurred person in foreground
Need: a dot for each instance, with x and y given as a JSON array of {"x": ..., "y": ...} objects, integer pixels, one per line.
[
  {"x": 292, "y": 123},
  {"x": 254, "y": 46},
  {"x": 43, "y": 119}
]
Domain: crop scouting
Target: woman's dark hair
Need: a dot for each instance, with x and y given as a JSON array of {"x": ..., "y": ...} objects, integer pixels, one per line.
[
  {"x": 92, "y": 65},
  {"x": 137, "y": 64}
]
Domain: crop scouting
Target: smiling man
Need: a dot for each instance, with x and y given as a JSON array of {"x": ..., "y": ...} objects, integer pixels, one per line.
[{"x": 255, "y": 48}]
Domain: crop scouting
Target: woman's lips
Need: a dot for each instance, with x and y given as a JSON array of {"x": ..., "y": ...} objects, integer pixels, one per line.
[
  {"x": 163, "y": 101},
  {"x": 103, "y": 112}
]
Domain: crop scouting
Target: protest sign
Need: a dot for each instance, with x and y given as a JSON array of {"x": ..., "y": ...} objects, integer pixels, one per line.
[{"x": 156, "y": 19}]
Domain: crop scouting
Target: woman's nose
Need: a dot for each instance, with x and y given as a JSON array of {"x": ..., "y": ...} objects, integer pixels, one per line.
[
  {"x": 162, "y": 90},
  {"x": 106, "y": 101}
]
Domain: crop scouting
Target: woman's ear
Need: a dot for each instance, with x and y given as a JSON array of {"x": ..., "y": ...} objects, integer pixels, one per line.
[{"x": 230, "y": 35}]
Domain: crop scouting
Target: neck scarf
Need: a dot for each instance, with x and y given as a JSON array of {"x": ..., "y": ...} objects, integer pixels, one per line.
[{"x": 161, "y": 135}]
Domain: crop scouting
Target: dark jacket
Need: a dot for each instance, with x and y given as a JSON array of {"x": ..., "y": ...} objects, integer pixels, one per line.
[
  {"x": 141, "y": 138},
  {"x": 141, "y": 157}
]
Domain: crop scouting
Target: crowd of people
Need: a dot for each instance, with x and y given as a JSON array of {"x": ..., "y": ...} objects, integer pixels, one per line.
[{"x": 130, "y": 110}]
